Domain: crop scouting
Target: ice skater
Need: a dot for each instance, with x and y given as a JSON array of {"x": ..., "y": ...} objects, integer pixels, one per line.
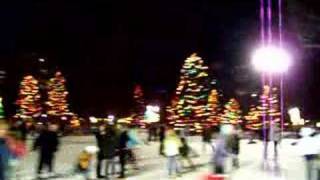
[
  {"x": 185, "y": 151},
  {"x": 47, "y": 143},
  {"x": 84, "y": 166},
  {"x": 100, "y": 135},
  {"x": 172, "y": 144},
  {"x": 233, "y": 146}
]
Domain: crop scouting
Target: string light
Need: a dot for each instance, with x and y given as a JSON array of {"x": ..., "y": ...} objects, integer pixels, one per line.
[
  {"x": 29, "y": 98},
  {"x": 190, "y": 102},
  {"x": 57, "y": 96},
  {"x": 269, "y": 107},
  {"x": 231, "y": 113},
  {"x": 139, "y": 107}
]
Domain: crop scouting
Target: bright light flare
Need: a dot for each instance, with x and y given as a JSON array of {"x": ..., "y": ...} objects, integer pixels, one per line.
[
  {"x": 93, "y": 119},
  {"x": 111, "y": 117},
  {"x": 271, "y": 59}
]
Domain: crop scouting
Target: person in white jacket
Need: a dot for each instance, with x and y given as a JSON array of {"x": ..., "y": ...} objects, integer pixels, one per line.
[
  {"x": 172, "y": 144},
  {"x": 309, "y": 148}
]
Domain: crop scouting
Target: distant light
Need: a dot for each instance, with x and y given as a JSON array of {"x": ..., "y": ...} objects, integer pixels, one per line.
[
  {"x": 111, "y": 117},
  {"x": 44, "y": 115},
  {"x": 93, "y": 119},
  {"x": 153, "y": 108},
  {"x": 271, "y": 59},
  {"x": 254, "y": 95},
  {"x": 41, "y": 60},
  {"x": 318, "y": 124},
  {"x": 214, "y": 82},
  {"x": 63, "y": 118}
]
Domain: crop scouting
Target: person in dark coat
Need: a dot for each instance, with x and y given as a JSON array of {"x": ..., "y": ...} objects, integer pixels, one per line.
[
  {"x": 233, "y": 146},
  {"x": 47, "y": 143},
  {"x": 24, "y": 131},
  {"x": 109, "y": 151},
  {"x": 150, "y": 133},
  {"x": 123, "y": 151},
  {"x": 185, "y": 151},
  {"x": 206, "y": 139},
  {"x": 100, "y": 137},
  {"x": 162, "y": 134}
]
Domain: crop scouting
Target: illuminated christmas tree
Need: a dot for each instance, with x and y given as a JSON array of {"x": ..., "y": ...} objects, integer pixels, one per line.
[
  {"x": 253, "y": 120},
  {"x": 231, "y": 113},
  {"x": 267, "y": 110},
  {"x": 171, "y": 113},
  {"x": 213, "y": 107},
  {"x": 139, "y": 106},
  {"x": 29, "y": 98},
  {"x": 57, "y": 104},
  {"x": 269, "y": 105},
  {"x": 192, "y": 92}
]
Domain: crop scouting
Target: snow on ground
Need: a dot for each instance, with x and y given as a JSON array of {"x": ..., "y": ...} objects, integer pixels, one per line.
[{"x": 153, "y": 167}]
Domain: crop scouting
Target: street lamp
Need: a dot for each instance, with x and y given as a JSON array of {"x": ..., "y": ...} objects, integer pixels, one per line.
[{"x": 271, "y": 59}]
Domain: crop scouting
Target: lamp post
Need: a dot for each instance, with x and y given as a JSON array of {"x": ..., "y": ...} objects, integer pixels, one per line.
[{"x": 270, "y": 60}]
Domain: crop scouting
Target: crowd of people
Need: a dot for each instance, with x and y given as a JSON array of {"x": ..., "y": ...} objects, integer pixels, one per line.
[
  {"x": 115, "y": 142},
  {"x": 122, "y": 142},
  {"x": 13, "y": 148},
  {"x": 117, "y": 145}
]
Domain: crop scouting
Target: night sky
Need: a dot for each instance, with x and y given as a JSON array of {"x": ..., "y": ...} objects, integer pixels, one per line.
[{"x": 104, "y": 47}]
